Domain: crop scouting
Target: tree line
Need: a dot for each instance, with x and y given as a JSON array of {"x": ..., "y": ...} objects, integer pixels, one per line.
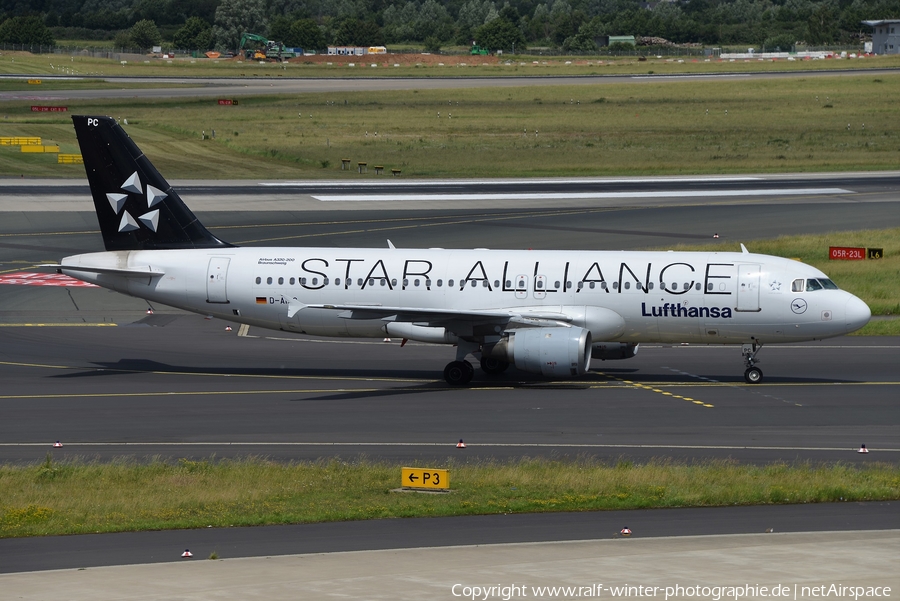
[{"x": 574, "y": 25}]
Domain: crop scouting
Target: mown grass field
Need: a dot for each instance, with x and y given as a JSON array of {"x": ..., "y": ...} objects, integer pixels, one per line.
[
  {"x": 474, "y": 66},
  {"x": 83, "y": 497},
  {"x": 671, "y": 127}
]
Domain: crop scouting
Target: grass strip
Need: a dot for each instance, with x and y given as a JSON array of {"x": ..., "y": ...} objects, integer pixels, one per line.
[
  {"x": 126, "y": 495},
  {"x": 413, "y": 66},
  {"x": 802, "y": 124}
]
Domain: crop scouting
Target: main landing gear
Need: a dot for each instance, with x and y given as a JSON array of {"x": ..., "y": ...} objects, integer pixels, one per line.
[
  {"x": 493, "y": 366},
  {"x": 753, "y": 374},
  {"x": 460, "y": 372}
]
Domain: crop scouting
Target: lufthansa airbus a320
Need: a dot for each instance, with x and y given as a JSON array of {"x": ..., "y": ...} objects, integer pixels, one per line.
[{"x": 545, "y": 312}]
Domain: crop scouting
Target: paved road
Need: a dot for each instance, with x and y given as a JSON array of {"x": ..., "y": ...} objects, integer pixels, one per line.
[{"x": 53, "y": 553}]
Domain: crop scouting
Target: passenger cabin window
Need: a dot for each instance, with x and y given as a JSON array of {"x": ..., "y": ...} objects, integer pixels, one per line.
[
  {"x": 259, "y": 280},
  {"x": 797, "y": 286},
  {"x": 268, "y": 280},
  {"x": 280, "y": 281},
  {"x": 291, "y": 281},
  {"x": 812, "y": 285}
]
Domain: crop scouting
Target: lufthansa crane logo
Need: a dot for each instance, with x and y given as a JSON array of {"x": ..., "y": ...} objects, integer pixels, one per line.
[{"x": 798, "y": 306}]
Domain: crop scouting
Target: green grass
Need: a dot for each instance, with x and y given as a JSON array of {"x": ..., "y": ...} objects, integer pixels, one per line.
[
  {"x": 81, "y": 497},
  {"x": 877, "y": 282},
  {"x": 777, "y": 125}
]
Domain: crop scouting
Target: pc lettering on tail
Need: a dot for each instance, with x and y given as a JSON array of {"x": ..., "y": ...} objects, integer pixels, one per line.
[{"x": 543, "y": 312}]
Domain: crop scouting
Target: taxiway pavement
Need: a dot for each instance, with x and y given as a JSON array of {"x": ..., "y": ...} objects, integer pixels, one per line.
[{"x": 177, "y": 385}]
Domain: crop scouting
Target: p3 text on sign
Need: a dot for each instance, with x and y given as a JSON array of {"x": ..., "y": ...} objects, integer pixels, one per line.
[{"x": 418, "y": 477}]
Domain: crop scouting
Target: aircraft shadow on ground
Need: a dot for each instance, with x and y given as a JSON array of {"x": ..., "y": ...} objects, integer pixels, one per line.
[{"x": 422, "y": 381}]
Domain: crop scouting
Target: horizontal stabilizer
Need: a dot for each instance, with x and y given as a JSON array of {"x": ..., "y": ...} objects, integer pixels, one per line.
[{"x": 143, "y": 272}]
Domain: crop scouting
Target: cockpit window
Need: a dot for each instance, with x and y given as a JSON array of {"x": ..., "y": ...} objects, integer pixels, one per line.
[
  {"x": 828, "y": 284},
  {"x": 797, "y": 286},
  {"x": 812, "y": 285}
]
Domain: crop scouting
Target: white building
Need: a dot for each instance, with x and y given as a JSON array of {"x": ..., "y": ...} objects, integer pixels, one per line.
[{"x": 885, "y": 36}]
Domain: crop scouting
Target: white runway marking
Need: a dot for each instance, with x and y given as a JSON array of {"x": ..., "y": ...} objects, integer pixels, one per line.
[
  {"x": 495, "y": 182},
  {"x": 444, "y": 444},
  {"x": 579, "y": 195}
]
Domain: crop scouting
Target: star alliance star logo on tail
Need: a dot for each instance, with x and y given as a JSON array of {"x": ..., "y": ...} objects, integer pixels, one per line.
[{"x": 149, "y": 219}]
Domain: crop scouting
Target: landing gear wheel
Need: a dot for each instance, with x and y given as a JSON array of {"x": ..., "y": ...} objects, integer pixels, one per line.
[
  {"x": 458, "y": 373},
  {"x": 493, "y": 366},
  {"x": 753, "y": 375}
]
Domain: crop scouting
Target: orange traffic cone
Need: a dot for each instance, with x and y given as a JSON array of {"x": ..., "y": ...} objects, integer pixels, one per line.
[
  {"x": 149, "y": 311},
  {"x": 57, "y": 445},
  {"x": 460, "y": 444},
  {"x": 227, "y": 328},
  {"x": 187, "y": 553},
  {"x": 625, "y": 531},
  {"x": 863, "y": 449}
]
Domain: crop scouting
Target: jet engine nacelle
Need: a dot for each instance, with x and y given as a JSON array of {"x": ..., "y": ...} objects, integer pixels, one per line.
[
  {"x": 606, "y": 351},
  {"x": 551, "y": 352}
]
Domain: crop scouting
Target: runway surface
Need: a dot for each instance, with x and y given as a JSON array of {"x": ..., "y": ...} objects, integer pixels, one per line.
[
  {"x": 178, "y": 385},
  {"x": 262, "y": 80}
]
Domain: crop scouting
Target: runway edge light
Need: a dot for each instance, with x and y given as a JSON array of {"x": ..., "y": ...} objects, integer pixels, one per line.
[
  {"x": 863, "y": 449},
  {"x": 187, "y": 553}
]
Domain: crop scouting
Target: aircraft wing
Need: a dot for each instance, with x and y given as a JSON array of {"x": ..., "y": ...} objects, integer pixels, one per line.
[{"x": 441, "y": 316}]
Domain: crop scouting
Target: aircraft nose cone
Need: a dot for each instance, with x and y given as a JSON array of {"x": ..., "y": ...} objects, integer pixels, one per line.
[{"x": 857, "y": 313}]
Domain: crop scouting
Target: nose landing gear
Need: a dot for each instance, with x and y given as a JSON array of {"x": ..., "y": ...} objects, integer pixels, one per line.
[{"x": 753, "y": 374}]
